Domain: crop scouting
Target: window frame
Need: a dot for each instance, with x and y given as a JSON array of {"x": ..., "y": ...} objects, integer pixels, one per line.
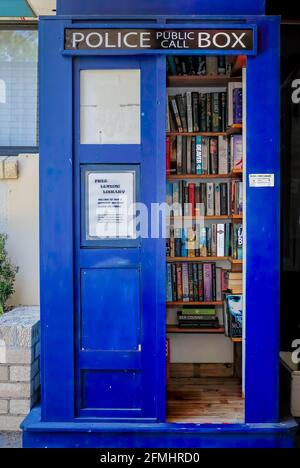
[{"x": 11, "y": 25}]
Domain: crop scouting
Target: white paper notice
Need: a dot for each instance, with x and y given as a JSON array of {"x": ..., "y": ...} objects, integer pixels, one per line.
[
  {"x": 111, "y": 199},
  {"x": 261, "y": 180}
]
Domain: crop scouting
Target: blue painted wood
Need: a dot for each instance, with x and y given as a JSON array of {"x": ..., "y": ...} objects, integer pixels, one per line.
[
  {"x": 116, "y": 305},
  {"x": 157, "y": 7},
  {"x": 56, "y": 226},
  {"x": 110, "y": 316},
  {"x": 263, "y": 228},
  {"x": 58, "y": 166},
  {"x": 14, "y": 8},
  {"x": 37, "y": 434}
]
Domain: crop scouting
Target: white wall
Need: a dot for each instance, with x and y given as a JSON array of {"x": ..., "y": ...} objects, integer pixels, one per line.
[{"x": 19, "y": 219}]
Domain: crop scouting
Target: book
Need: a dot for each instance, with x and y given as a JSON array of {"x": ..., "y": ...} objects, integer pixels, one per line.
[
  {"x": 237, "y": 152},
  {"x": 233, "y": 315},
  {"x": 222, "y": 155},
  {"x": 211, "y": 65},
  {"x": 232, "y": 101}
]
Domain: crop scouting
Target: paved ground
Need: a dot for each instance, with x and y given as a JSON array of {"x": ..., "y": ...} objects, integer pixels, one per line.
[{"x": 10, "y": 440}]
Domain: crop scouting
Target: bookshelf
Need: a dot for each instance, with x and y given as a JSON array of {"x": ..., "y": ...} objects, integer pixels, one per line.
[
  {"x": 232, "y": 175},
  {"x": 195, "y": 304},
  {"x": 192, "y": 183}
]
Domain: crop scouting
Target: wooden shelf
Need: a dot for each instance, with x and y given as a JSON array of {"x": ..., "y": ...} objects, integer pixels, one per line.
[
  {"x": 236, "y": 262},
  {"x": 175, "y": 329},
  {"x": 197, "y": 259},
  {"x": 206, "y": 218},
  {"x": 204, "y": 176},
  {"x": 204, "y": 134},
  {"x": 235, "y": 129},
  {"x": 236, "y": 340},
  {"x": 194, "y": 304},
  {"x": 197, "y": 81},
  {"x": 204, "y": 260}
]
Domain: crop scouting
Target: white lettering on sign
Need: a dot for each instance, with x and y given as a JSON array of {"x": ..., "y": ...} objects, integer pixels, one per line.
[
  {"x": 214, "y": 39},
  {"x": 110, "y": 205},
  {"x": 261, "y": 180}
]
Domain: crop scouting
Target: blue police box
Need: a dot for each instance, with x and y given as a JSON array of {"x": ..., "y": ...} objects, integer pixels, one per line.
[{"x": 103, "y": 89}]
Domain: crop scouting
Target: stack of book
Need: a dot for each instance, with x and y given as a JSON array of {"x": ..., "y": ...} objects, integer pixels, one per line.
[
  {"x": 201, "y": 155},
  {"x": 216, "y": 240},
  {"x": 205, "y": 66},
  {"x": 234, "y": 282},
  {"x": 198, "y": 318},
  {"x": 195, "y": 282},
  {"x": 205, "y": 199},
  {"x": 233, "y": 315},
  {"x": 194, "y": 112}
]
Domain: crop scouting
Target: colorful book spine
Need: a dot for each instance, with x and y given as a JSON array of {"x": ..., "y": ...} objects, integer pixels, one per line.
[
  {"x": 207, "y": 282},
  {"x": 199, "y": 155}
]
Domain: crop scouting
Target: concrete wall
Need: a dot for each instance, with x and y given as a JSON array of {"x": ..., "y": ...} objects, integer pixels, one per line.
[{"x": 19, "y": 219}]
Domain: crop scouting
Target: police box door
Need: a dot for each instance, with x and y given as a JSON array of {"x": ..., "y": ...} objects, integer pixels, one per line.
[{"x": 119, "y": 161}]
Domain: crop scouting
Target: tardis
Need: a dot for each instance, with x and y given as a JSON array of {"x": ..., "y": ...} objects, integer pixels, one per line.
[{"x": 159, "y": 337}]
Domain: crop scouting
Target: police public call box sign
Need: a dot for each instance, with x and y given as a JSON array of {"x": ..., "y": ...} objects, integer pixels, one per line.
[{"x": 160, "y": 39}]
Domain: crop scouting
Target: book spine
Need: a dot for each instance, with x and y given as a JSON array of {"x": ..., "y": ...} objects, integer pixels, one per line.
[
  {"x": 221, "y": 65},
  {"x": 184, "y": 251},
  {"x": 212, "y": 65},
  {"x": 203, "y": 245},
  {"x": 173, "y": 156},
  {"x": 223, "y": 155},
  {"x": 217, "y": 200},
  {"x": 199, "y": 155},
  {"x": 184, "y": 155},
  {"x": 208, "y": 240},
  {"x": 237, "y": 148},
  {"x": 191, "y": 285},
  {"x": 169, "y": 283},
  {"x": 178, "y": 241},
  {"x": 238, "y": 106},
  {"x": 214, "y": 292},
  {"x": 200, "y": 282},
  {"x": 195, "y": 282},
  {"x": 189, "y": 155},
  {"x": 219, "y": 284},
  {"x": 195, "y": 103},
  {"x": 185, "y": 282},
  {"x": 214, "y": 240},
  {"x": 205, "y": 158},
  {"x": 214, "y": 155},
  {"x": 210, "y": 199},
  {"x": 201, "y": 69},
  {"x": 168, "y": 157},
  {"x": 216, "y": 113},
  {"x": 179, "y": 281},
  {"x": 168, "y": 123},
  {"x": 208, "y": 112},
  {"x": 193, "y": 158},
  {"x": 202, "y": 112},
  {"x": 223, "y": 112},
  {"x": 220, "y": 240},
  {"x": 192, "y": 207},
  {"x": 179, "y": 155},
  {"x": 207, "y": 282},
  {"x": 189, "y": 112},
  {"x": 176, "y": 114},
  {"x": 174, "y": 282},
  {"x": 181, "y": 109},
  {"x": 224, "y": 199}
]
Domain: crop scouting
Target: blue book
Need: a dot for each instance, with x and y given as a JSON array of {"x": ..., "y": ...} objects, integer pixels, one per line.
[
  {"x": 169, "y": 283},
  {"x": 184, "y": 251},
  {"x": 198, "y": 155}
]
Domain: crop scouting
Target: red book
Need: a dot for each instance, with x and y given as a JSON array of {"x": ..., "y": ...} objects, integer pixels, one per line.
[
  {"x": 168, "y": 156},
  {"x": 192, "y": 206},
  {"x": 179, "y": 281}
]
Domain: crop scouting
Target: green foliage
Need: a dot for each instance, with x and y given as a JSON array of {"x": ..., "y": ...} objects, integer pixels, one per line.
[{"x": 7, "y": 275}]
